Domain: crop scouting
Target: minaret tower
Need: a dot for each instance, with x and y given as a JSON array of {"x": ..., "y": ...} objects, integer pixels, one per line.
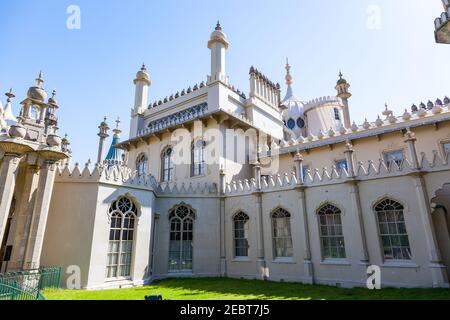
[
  {"x": 103, "y": 134},
  {"x": 342, "y": 87},
  {"x": 142, "y": 83},
  {"x": 218, "y": 44}
]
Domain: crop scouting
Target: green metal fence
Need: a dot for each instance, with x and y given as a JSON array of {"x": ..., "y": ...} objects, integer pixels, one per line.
[{"x": 27, "y": 285}]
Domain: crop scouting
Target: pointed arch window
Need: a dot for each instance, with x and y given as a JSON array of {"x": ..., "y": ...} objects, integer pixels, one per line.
[
  {"x": 281, "y": 233},
  {"x": 181, "y": 239},
  {"x": 331, "y": 235},
  {"x": 198, "y": 158},
  {"x": 142, "y": 165},
  {"x": 167, "y": 164},
  {"x": 392, "y": 228},
  {"x": 123, "y": 214},
  {"x": 241, "y": 230}
]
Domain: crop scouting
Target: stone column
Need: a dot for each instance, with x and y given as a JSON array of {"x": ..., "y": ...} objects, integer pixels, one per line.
[
  {"x": 411, "y": 142},
  {"x": 438, "y": 271},
  {"x": 307, "y": 259},
  {"x": 39, "y": 219},
  {"x": 223, "y": 259},
  {"x": 8, "y": 172},
  {"x": 262, "y": 266},
  {"x": 24, "y": 215},
  {"x": 363, "y": 254}
]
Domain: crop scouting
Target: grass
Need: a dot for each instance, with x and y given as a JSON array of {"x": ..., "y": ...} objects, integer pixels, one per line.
[{"x": 235, "y": 289}]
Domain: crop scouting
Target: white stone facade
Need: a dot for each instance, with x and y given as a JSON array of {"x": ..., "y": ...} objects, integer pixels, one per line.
[{"x": 215, "y": 184}]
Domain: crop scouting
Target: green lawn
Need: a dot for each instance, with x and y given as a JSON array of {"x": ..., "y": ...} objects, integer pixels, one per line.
[{"x": 235, "y": 289}]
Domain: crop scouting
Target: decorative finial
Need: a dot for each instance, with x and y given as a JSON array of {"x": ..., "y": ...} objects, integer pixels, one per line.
[
  {"x": 340, "y": 75},
  {"x": 288, "y": 73},
  {"x": 40, "y": 79},
  {"x": 218, "y": 26},
  {"x": 117, "y": 122},
  {"x": 144, "y": 67},
  {"x": 10, "y": 95}
]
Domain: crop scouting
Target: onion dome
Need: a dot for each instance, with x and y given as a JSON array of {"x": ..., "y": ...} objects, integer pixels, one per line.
[
  {"x": 422, "y": 105},
  {"x": 218, "y": 36},
  {"x": 438, "y": 102},
  {"x": 414, "y": 108},
  {"x": 142, "y": 75},
  {"x": 446, "y": 100},
  {"x": 52, "y": 100},
  {"x": 341, "y": 79},
  {"x": 38, "y": 93},
  {"x": 430, "y": 104},
  {"x": 114, "y": 156}
]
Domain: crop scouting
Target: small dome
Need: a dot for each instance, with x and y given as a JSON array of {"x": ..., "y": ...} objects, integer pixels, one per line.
[
  {"x": 341, "y": 79},
  {"x": 142, "y": 75},
  {"x": 37, "y": 93},
  {"x": 218, "y": 36},
  {"x": 52, "y": 100}
]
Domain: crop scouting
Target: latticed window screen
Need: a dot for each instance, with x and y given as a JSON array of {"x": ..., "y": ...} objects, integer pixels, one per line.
[
  {"x": 167, "y": 165},
  {"x": 281, "y": 232},
  {"x": 198, "y": 158},
  {"x": 331, "y": 235},
  {"x": 181, "y": 239},
  {"x": 240, "y": 224},
  {"x": 120, "y": 248},
  {"x": 394, "y": 237},
  {"x": 142, "y": 165}
]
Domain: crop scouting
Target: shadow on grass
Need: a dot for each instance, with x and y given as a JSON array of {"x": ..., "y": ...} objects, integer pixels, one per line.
[{"x": 219, "y": 288}]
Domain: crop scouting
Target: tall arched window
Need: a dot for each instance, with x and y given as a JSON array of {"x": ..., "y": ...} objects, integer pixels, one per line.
[
  {"x": 181, "y": 238},
  {"x": 394, "y": 237},
  {"x": 331, "y": 235},
  {"x": 167, "y": 164},
  {"x": 240, "y": 224},
  {"x": 142, "y": 165},
  {"x": 281, "y": 233},
  {"x": 198, "y": 158},
  {"x": 120, "y": 249}
]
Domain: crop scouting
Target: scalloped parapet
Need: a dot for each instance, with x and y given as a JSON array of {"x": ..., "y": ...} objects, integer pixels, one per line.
[
  {"x": 431, "y": 112},
  {"x": 321, "y": 101},
  {"x": 325, "y": 176},
  {"x": 124, "y": 176}
]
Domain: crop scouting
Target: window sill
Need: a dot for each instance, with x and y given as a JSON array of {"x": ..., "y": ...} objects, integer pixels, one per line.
[
  {"x": 242, "y": 259},
  {"x": 123, "y": 279},
  {"x": 198, "y": 177},
  {"x": 284, "y": 260},
  {"x": 399, "y": 264},
  {"x": 335, "y": 262}
]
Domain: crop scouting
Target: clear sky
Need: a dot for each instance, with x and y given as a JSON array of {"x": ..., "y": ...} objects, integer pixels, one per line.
[{"x": 385, "y": 49}]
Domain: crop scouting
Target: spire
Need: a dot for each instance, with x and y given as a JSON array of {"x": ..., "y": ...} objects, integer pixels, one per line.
[
  {"x": 289, "y": 92},
  {"x": 288, "y": 73},
  {"x": 117, "y": 131},
  {"x": 40, "y": 79},
  {"x": 8, "y": 115},
  {"x": 218, "y": 26},
  {"x": 114, "y": 156}
]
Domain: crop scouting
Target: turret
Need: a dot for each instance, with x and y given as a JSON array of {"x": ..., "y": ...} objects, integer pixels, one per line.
[
  {"x": 142, "y": 83},
  {"x": 342, "y": 87},
  {"x": 102, "y": 134},
  {"x": 218, "y": 44}
]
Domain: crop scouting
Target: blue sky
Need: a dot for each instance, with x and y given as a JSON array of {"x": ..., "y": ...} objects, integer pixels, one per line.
[{"x": 92, "y": 68}]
